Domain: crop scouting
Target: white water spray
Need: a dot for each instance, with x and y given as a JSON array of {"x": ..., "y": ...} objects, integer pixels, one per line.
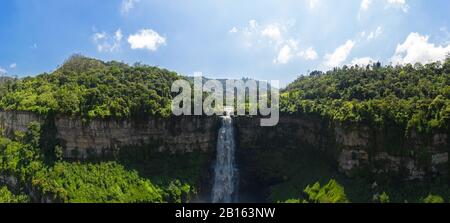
[{"x": 226, "y": 173}]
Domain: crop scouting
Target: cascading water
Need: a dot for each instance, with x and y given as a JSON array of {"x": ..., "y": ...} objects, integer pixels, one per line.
[{"x": 226, "y": 172}]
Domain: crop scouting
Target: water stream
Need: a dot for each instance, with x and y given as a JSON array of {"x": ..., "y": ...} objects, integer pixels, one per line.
[{"x": 225, "y": 169}]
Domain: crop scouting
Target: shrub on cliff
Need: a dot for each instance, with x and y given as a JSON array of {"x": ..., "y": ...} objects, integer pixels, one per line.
[
  {"x": 332, "y": 192},
  {"x": 382, "y": 198},
  {"x": 433, "y": 199}
]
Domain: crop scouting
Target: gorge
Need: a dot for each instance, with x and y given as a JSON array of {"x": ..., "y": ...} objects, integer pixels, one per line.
[{"x": 262, "y": 152}]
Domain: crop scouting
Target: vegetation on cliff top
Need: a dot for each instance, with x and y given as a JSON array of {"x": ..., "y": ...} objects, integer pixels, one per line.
[
  {"x": 93, "y": 89},
  {"x": 414, "y": 97}
]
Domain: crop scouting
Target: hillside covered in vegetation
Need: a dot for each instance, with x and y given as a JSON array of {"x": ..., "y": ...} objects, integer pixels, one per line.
[
  {"x": 93, "y": 89},
  {"x": 408, "y": 96}
]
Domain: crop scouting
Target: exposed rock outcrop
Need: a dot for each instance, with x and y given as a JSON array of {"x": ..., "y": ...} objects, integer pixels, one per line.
[
  {"x": 104, "y": 137},
  {"x": 177, "y": 134},
  {"x": 352, "y": 147}
]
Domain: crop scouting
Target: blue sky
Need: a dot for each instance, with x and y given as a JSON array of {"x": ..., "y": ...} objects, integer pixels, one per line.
[{"x": 268, "y": 40}]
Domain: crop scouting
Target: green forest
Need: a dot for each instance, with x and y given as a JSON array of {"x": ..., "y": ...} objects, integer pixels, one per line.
[
  {"x": 410, "y": 97},
  {"x": 93, "y": 89}
]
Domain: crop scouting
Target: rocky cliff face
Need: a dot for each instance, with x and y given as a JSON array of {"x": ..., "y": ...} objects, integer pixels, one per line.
[
  {"x": 355, "y": 148},
  {"x": 352, "y": 147},
  {"x": 17, "y": 121},
  {"x": 177, "y": 134},
  {"x": 105, "y": 137}
]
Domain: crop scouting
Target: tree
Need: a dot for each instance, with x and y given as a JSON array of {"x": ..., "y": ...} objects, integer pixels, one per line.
[
  {"x": 433, "y": 199},
  {"x": 332, "y": 192},
  {"x": 382, "y": 198},
  {"x": 7, "y": 197}
]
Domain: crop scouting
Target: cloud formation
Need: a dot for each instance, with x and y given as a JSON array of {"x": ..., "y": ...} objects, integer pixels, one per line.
[
  {"x": 340, "y": 54},
  {"x": 375, "y": 34},
  {"x": 13, "y": 66},
  {"x": 284, "y": 56},
  {"x": 273, "y": 32},
  {"x": 365, "y": 4},
  {"x": 275, "y": 35},
  {"x": 127, "y": 6},
  {"x": 234, "y": 30},
  {"x": 107, "y": 43},
  {"x": 362, "y": 61},
  {"x": 417, "y": 48},
  {"x": 309, "y": 54},
  {"x": 399, "y": 4},
  {"x": 146, "y": 39},
  {"x": 313, "y": 3}
]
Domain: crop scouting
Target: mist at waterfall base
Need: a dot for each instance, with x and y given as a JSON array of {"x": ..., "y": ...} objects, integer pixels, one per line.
[{"x": 226, "y": 178}]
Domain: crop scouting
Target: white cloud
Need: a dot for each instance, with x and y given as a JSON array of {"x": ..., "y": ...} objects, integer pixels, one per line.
[
  {"x": 253, "y": 24},
  {"x": 2, "y": 71},
  {"x": 309, "y": 54},
  {"x": 127, "y": 6},
  {"x": 400, "y": 4},
  {"x": 339, "y": 55},
  {"x": 363, "y": 61},
  {"x": 284, "y": 56},
  {"x": 362, "y": 34},
  {"x": 233, "y": 30},
  {"x": 416, "y": 48},
  {"x": 107, "y": 43},
  {"x": 273, "y": 32},
  {"x": 375, "y": 34},
  {"x": 275, "y": 36},
  {"x": 13, "y": 66},
  {"x": 313, "y": 3},
  {"x": 365, "y": 4},
  {"x": 146, "y": 39}
]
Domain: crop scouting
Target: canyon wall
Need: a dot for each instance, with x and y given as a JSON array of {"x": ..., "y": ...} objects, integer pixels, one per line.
[
  {"x": 356, "y": 149},
  {"x": 352, "y": 147},
  {"x": 104, "y": 137}
]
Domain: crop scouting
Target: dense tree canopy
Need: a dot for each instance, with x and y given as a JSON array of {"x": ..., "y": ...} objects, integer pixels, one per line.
[
  {"x": 411, "y": 96},
  {"x": 7, "y": 196},
  {"x": 93, "y": 89}
]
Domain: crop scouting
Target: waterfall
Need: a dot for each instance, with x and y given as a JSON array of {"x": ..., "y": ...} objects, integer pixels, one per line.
[{"x": 226, "y": 173}]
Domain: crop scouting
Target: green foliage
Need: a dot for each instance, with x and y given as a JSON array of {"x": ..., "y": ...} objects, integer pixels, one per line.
[
  {"x": 411, "y": 97},
  {"x": 433, "y": 199},
  {"x": 7, "y": 197},
  {"x": 93, "y": 89},
  {"x": 382, "y": 198},
  {"x": 17, "y": 159},
  {"x": 293, "y": 201},
  {"x": 332, "y": 192},
  {"x": 95, "y": 183},
  {"x": 78, "y": 182},
  {"x": 178, "y": 192}
]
